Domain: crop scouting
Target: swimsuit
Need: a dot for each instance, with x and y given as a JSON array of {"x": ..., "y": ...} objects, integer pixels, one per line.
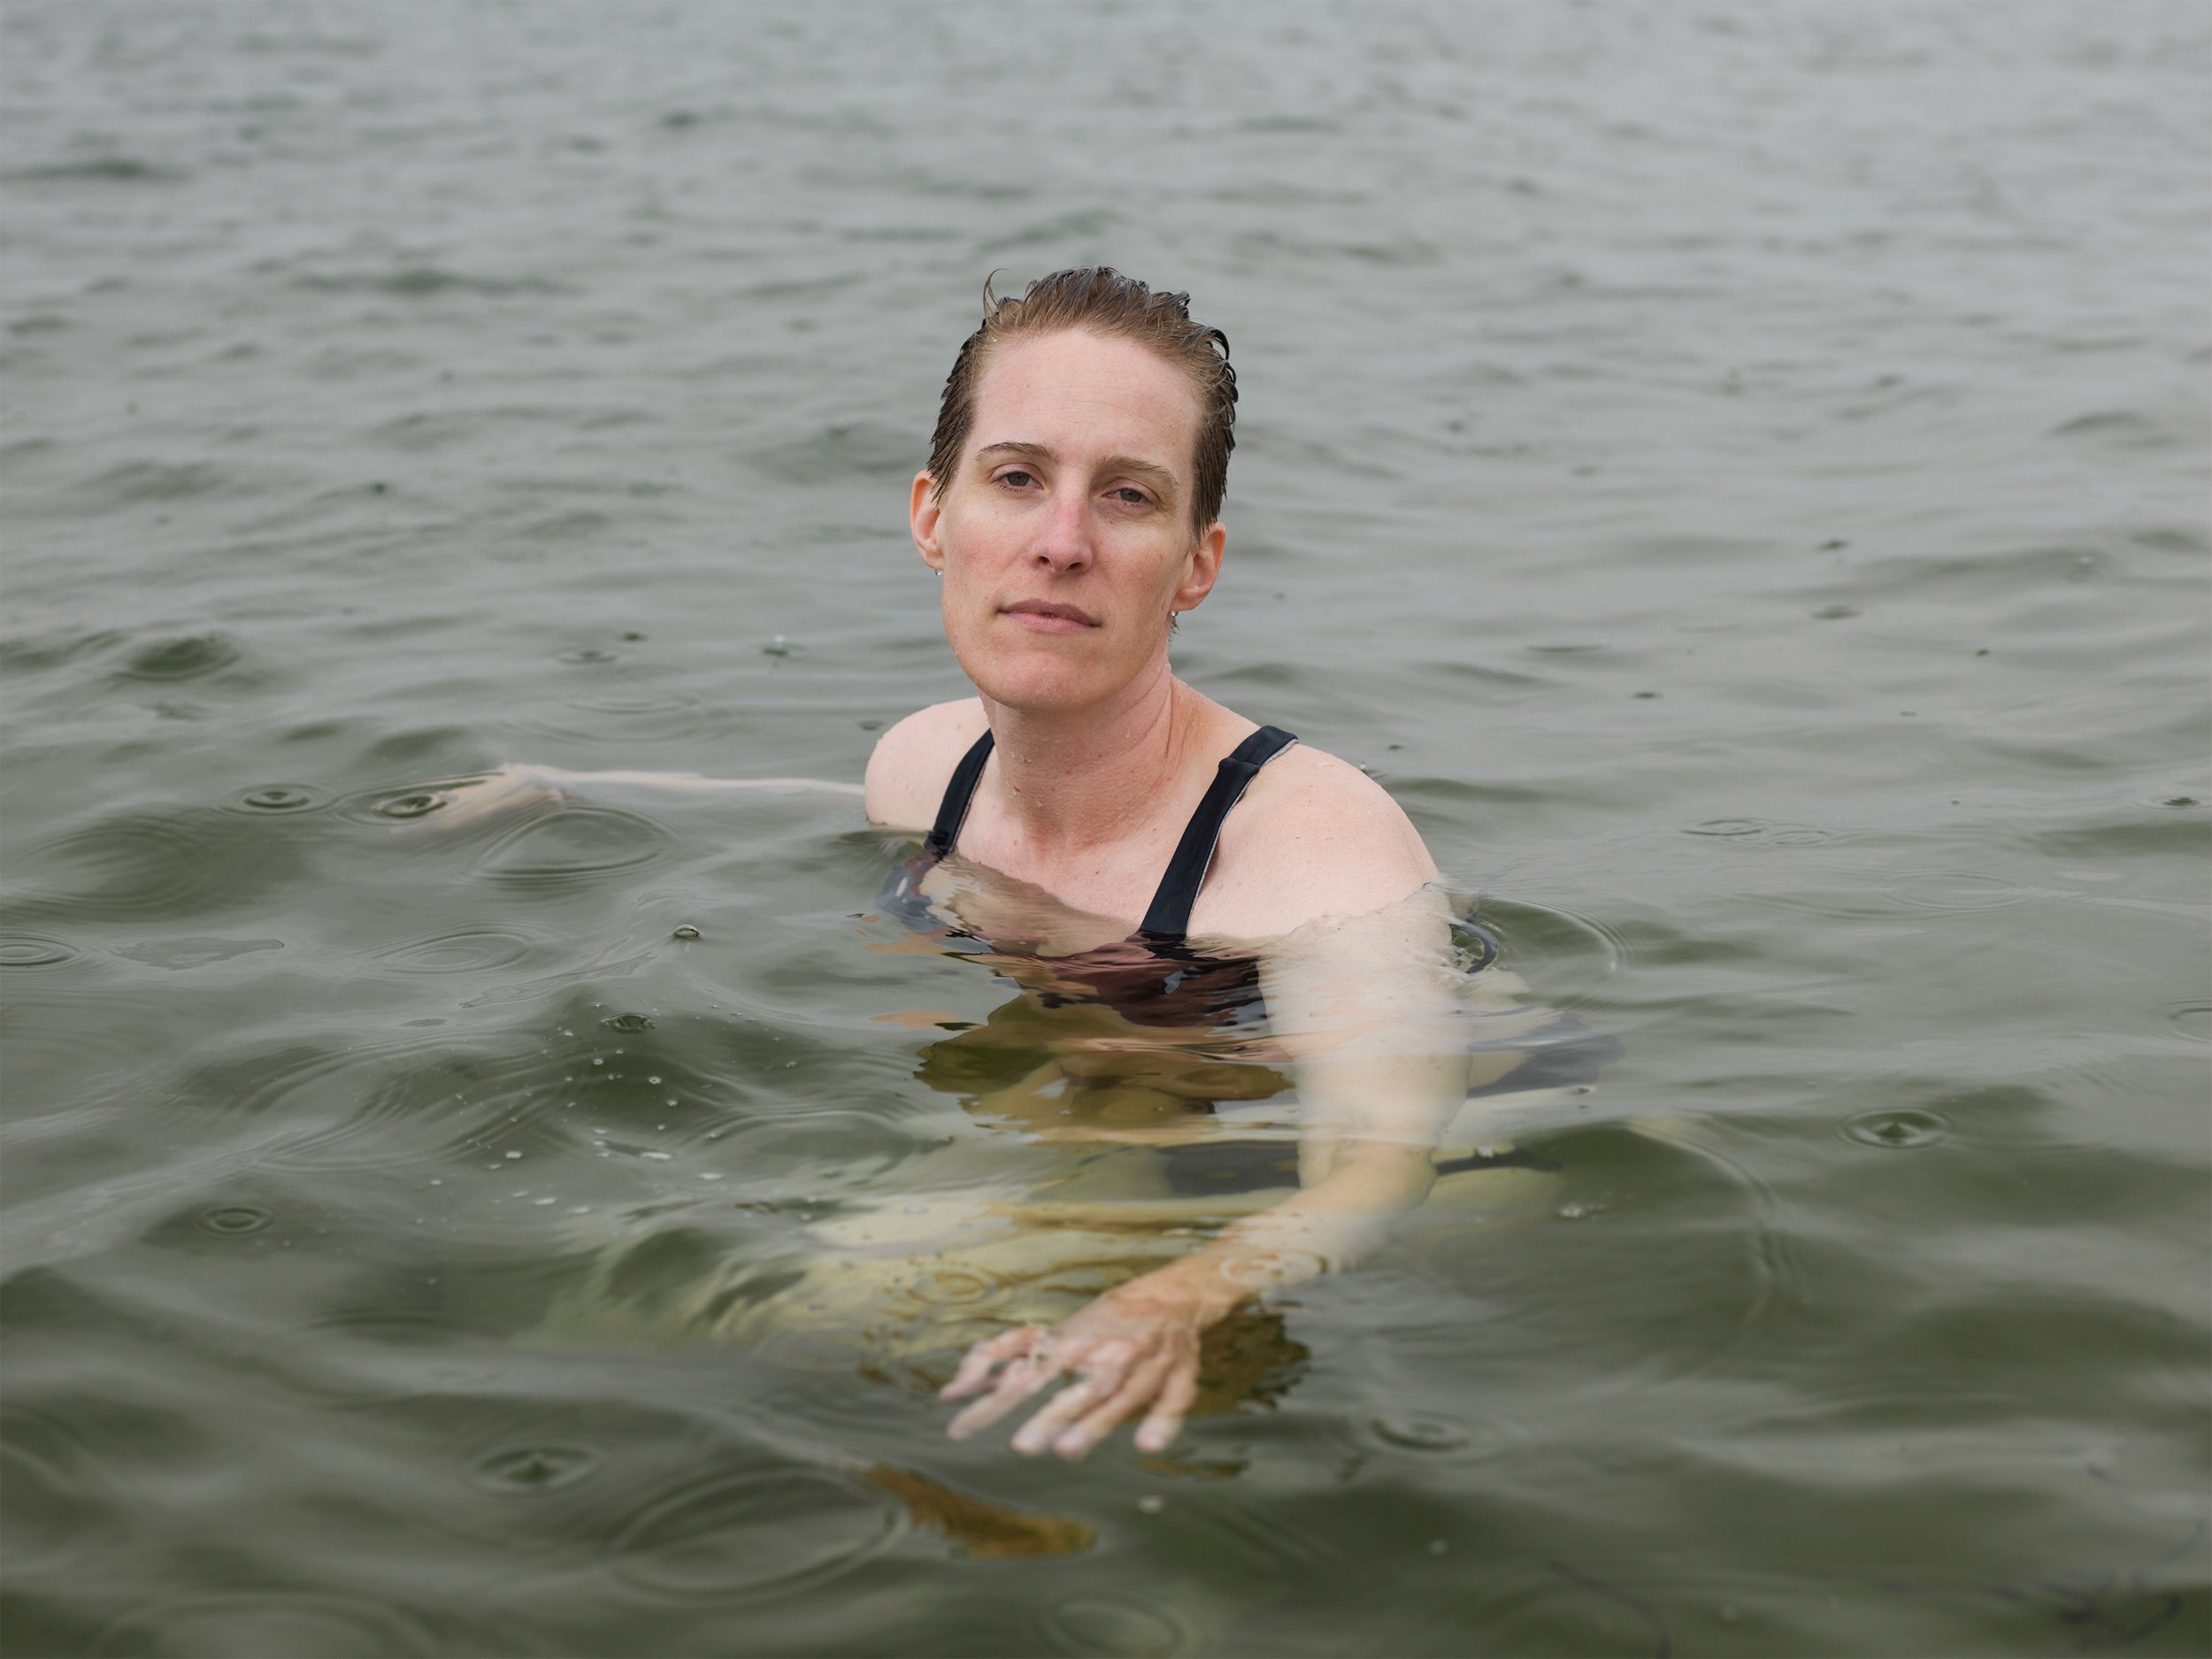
[{"x": 1153, "y": 978}]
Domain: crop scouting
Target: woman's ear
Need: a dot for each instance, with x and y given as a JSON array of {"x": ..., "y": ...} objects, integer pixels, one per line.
[
  {"x": 1204, "y": 568},
  {"x": 923, "y": 514}
]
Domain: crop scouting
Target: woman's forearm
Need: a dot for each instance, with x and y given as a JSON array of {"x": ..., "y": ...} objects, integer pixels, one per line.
[{"x": 1331, "y": 1226}]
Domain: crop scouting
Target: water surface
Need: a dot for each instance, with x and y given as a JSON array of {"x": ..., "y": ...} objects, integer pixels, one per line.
[{"x": 1736, "y": 474}]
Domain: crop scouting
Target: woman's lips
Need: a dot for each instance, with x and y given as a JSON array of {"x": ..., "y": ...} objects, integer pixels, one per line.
[{"x": 1046, "y": 618}]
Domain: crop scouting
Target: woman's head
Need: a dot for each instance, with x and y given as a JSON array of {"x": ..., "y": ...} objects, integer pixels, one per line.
[
  {"x": 1072, "y": 507},
  {"x": 1099, "y": 300}
]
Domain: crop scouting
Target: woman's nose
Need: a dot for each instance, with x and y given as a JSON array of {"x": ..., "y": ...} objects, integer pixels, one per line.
[{"x": 1063, "y": 540}]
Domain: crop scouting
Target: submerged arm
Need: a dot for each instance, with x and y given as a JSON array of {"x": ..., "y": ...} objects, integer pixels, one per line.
[{"x": 1372, "y": 1011}]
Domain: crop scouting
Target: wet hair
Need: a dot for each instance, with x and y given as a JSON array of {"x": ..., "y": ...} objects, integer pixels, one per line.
[{"x": 1099, "y": 300}]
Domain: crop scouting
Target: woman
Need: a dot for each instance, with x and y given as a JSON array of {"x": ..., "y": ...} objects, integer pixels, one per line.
[
  {"x": 1149, "y": 867},
  {"x": 1129, "y": 832}
]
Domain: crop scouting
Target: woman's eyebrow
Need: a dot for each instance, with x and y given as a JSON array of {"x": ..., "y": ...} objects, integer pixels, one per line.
[{"x": 1015, "y": 449}]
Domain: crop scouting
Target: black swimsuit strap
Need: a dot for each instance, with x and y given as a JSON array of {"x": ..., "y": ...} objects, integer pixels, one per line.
[
  {"x": 952, "y": 811},
  {"x": 1169, "y": 919}
]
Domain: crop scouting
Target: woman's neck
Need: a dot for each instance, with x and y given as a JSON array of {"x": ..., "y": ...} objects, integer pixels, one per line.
[{"x": 1072, "y": 782}]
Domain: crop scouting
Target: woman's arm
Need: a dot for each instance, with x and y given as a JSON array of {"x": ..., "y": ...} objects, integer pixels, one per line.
[
  {"x": 1375, "y": 1013},
  {"x": 520, "y": 784}
]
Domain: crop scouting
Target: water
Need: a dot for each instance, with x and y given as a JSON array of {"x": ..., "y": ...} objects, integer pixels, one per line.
[{"x": 1736, "y": 474}]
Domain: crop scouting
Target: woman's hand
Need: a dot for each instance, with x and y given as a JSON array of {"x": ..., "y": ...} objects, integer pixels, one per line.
[{"x": 1135, "y": 1346}]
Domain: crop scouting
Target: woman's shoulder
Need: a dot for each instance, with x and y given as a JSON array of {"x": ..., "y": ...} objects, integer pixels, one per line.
[
  {"x": 913, "y": 761},
  {"x": 1314, "y": 837}
]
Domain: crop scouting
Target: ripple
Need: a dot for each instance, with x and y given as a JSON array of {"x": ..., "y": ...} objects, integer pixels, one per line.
[
  {"x": 1571, "y": 952},
  {"x": 1898, "y": 1130},
  {"x": 464, "y": 950},
  {"x": 145, "y": 865},
  {"x": 230, "y": 1220},
  {"x": 264, "y": 799},
  {"x": 186, "y": 658},
  {"x": 1117, "y": 1625},
  {"x": 1429, "y": 1434},
  {"x": 956, "y": 1287},
  {"x": 574, "y": 846},
  {"x": 59, "y": 1483},
  {"x": 856, "y": 1144},
  {"x": 403, "y": 806},
  {"x": 274, "y": 1621},
  {"x": 19, "y": 949},
  {"x": 1960, "y": 890},
  {"x": 528, "y": 1470},
  {"x": 629, "y": 714},
  {"x": 387, "y": 1106},
  {"x": 2193, "y": 1020},
  {"x": 760, "y": 1533},
  {"x": 1764, "y": 832}
]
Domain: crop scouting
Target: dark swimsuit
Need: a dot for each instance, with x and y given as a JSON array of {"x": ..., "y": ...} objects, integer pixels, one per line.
[{"x": 1154, "y": 977}]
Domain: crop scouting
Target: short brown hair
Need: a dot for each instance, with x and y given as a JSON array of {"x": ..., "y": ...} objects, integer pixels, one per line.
[{"x": 1099, "y": 300}]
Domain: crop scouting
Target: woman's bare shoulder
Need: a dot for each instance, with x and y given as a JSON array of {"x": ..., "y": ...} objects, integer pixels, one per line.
[
  {"x": 912, "y": 761},
  {"x": 1314, "y": 837}
]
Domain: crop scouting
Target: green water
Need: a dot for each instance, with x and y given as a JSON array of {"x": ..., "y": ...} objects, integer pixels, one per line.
[{"x": 1736, "y": 474}]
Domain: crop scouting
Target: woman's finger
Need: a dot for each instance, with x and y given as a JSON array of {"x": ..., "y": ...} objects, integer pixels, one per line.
[
  {"x": 1020, "y": 1379},
  {"x": 1165, "y": 1420},
  {"x": 1077, "y": 1440},
  {"x": 985, "y": 1355},
  {"x": 1097, "y": 1373}
]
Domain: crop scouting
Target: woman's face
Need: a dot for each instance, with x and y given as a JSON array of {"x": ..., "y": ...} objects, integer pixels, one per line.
[{"x": 1064, "y": 538}]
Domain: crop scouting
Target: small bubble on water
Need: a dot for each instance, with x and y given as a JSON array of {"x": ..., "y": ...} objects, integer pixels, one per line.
[
  {"x": 1572, "y": 1212},
  {"x": 437, "y": 1180},
  {"x": 917, "y": 1210},
  {"x": 660, "y": 1157},
  {"x": 710, "y": 1175},
  {"x": 1437, "y": 1547},
  {"x": 542, "y": 1202},
  {"x": 600, "y": 1060},
  {"x": 686, "y": 932},
  {"x": 1151, "y": 1503},
  {"x": 511, "y": 1156}
]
